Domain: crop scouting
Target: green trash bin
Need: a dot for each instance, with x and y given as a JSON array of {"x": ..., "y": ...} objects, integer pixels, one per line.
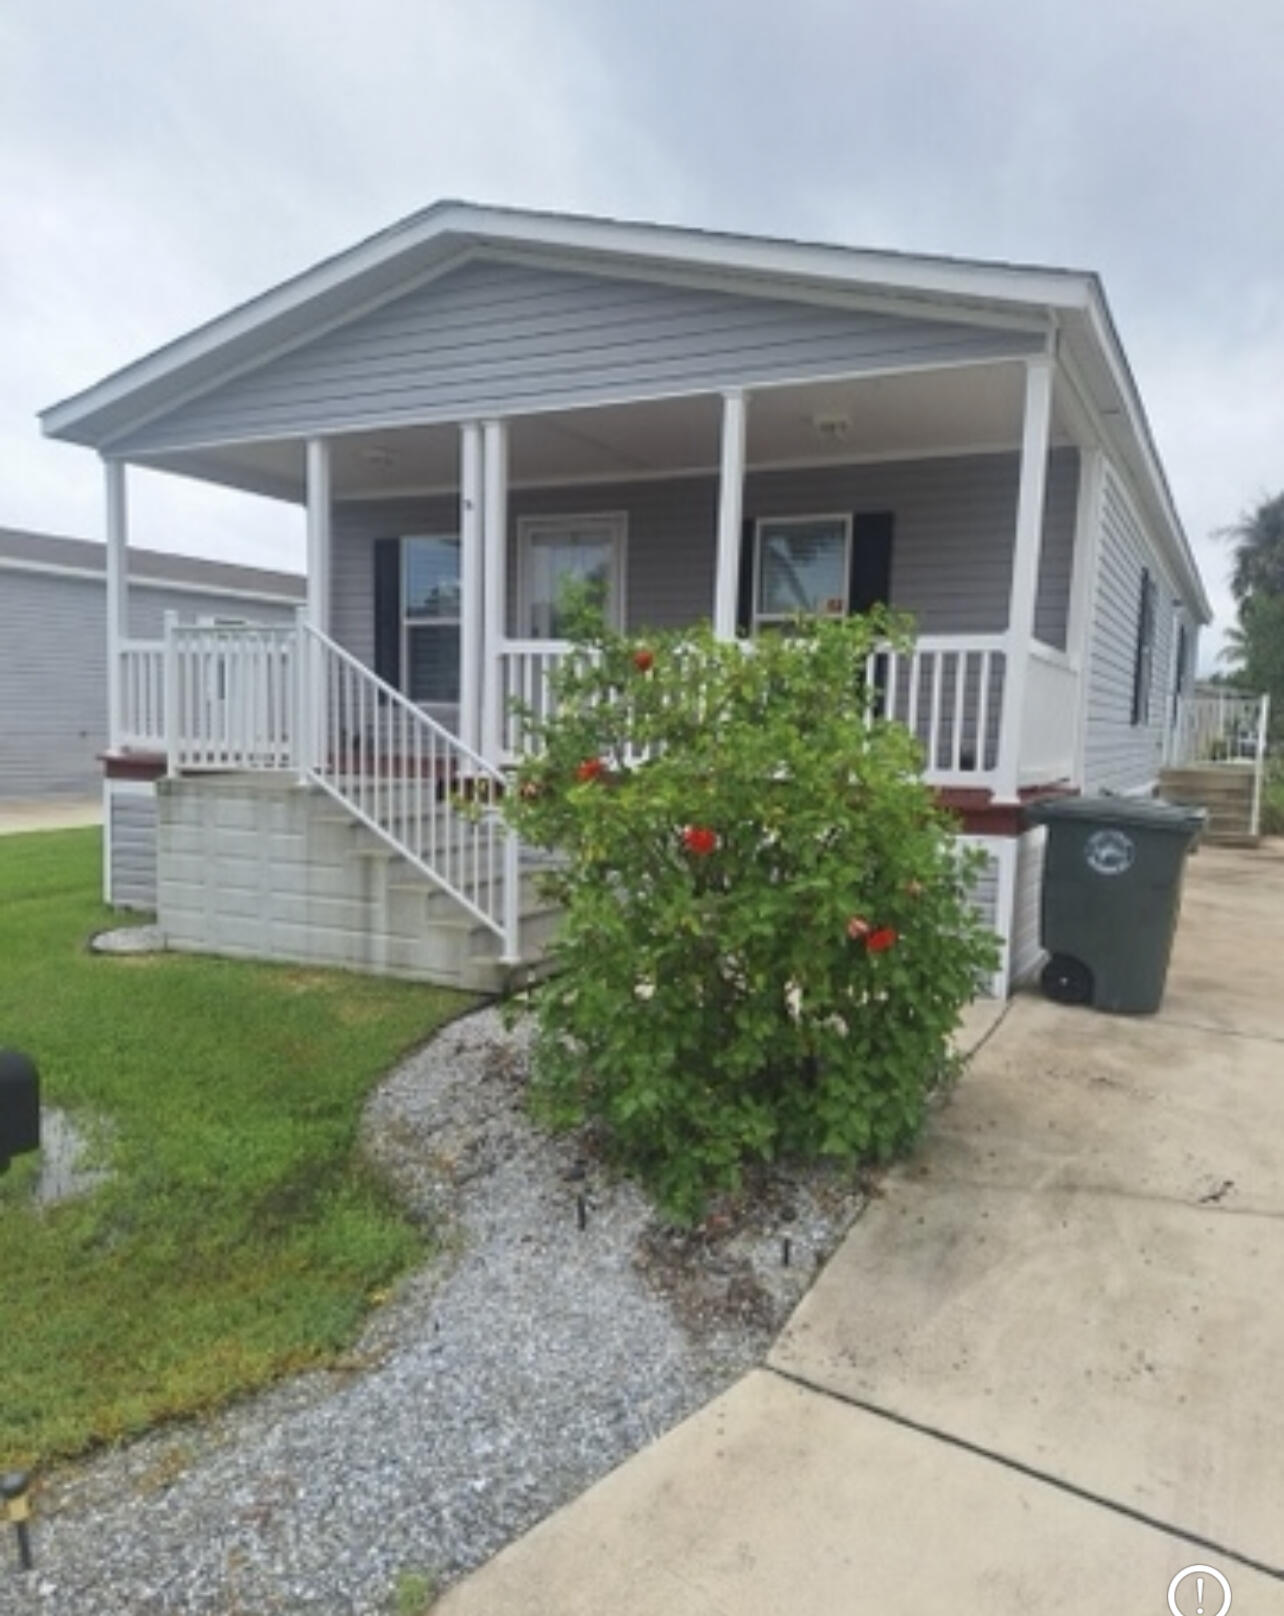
[{"x": 1112, "y": 876}]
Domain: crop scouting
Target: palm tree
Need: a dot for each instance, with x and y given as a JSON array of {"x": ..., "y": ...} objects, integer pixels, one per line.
[{"x": 1259, "y": 551}]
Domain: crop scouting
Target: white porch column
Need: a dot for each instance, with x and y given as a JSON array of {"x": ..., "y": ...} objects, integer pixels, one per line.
[
  {"x": 731, "y": 488},
  {"x": 495, "y": 582},
  {"x": 311, "y": 704},
  {"x": 472, "y": 621},
  {"x": 117, "y": 594},
  {"x": 318, "y": 487},
  {"x": 1025, "y": 568}
]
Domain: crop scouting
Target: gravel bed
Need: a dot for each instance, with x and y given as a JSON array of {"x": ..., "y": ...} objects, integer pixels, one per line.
[{"x": 562, "y": 1329}]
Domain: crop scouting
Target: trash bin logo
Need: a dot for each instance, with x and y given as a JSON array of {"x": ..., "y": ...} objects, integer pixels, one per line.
[{"x": 1110, "y": 852}]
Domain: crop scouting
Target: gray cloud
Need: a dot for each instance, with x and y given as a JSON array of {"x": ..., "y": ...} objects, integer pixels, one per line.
[{"x": 160, "y": 162}]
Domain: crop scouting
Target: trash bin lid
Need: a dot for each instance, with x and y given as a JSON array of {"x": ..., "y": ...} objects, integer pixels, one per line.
[{"x": 1146, "y": 812}]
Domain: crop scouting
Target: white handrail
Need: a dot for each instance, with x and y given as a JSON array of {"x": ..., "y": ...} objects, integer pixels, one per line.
[
  {"x": 1259, "y": 761},
  {"x": 396, "y": 770}
]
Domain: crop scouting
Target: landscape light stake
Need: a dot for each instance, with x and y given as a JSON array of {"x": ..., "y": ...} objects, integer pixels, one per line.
[
  {"x": 786, "y": 1251},
  {"x": 17, "y": 1507},
  {"x": 581, "y": 1211}
]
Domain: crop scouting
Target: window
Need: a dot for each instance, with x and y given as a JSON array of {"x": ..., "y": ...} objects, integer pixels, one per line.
[
  {"x": 430, "y": 617},
  {"x": 801, "y": 564},
  {"x": 556, "y": 550},
  {"x": 1144, "y": 662}
]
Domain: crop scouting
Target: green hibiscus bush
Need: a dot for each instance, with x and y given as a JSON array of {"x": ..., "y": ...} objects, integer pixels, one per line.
[{"x": 768, "y": 935}]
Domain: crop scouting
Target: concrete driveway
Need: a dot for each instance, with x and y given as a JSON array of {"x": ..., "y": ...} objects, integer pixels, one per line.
[
  {"x": 20, "y": 814},
  {"x": 1043, "y": 1373}
]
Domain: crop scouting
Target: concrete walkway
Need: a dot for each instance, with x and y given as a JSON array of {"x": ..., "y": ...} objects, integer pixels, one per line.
[
  {"x": 49, "y": 813},
  {"x": 1043, "y": 1373}
]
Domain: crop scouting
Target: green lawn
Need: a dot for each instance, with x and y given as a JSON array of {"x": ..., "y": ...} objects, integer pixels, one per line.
[{"x": 238, "y": 1238}]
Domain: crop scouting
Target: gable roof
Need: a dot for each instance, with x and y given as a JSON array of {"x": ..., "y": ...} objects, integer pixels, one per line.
[
  {"x": 22, "y": 551},
  {"x": 1071, "y": 302}
]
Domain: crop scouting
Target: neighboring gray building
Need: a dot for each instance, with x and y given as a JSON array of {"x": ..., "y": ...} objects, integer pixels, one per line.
[{"x": 53, "y": 645}]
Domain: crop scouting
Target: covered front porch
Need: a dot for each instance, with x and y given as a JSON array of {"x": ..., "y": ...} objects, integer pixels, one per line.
[{"x": 435, "y": 551}]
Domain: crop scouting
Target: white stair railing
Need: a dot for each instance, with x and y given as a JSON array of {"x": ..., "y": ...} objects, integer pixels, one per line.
[{"x": 406, "y": 778}]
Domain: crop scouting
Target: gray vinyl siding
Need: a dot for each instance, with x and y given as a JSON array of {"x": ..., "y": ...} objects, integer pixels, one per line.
[
  {"x": 53, "y": 673},
  {"x": 951, "y": 551},
  {"x": 503, "y": 337},
  {"x": 132, "y": 839},
  {"x": 1120, "y": 755},
  {"x": 985, "y": 893},
  {"x": 1027, "y": 949}
]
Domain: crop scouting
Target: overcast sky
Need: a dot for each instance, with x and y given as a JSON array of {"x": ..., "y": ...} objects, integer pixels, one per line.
[{"x": 161, "y": 160}]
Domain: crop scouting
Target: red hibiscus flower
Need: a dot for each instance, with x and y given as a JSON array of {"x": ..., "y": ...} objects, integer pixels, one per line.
[
  {"x": 643, "y": 660},
  {"x": 589, "y": 769},
  {"x": 699, "y": 839},
  {"x": 858, "y": 928},
  {"x": 878, "y": 941}
]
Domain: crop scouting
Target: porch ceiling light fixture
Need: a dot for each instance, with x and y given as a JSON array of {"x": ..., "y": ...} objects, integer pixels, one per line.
[{"x": 833, "y": 427}]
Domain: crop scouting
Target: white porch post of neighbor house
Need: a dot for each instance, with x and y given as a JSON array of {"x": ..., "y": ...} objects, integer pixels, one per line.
[
  {"x": 312, "y": 713},
  {"x": 117, "y": 595},
  {"x": 731, "y": 490},
  {"x": 495, "y": 580},
  {"x": 318, "y": 493},
  {"x": 471, "y": 572},
  {"x": 1025, "y": 569}
]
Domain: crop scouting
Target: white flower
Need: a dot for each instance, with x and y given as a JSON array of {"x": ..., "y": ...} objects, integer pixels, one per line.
[
  {"x": 793, "y": 999},
  {"x": 644, "y": 990}
]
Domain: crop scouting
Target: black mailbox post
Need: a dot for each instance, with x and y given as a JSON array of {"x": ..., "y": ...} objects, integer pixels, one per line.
[{"x": 19, "y": 1106}]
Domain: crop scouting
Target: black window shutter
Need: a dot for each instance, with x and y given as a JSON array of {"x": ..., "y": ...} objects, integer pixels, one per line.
[
  {"x": 744, "y": 594},
  {"x": 870, "y": 578},
  {"x": 1145, "y": 640},
  {"x": 387, "y": 610}
]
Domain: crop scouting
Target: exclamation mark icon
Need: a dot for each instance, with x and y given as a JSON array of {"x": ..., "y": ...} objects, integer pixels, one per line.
[{"x": 1199, "y": 1594}]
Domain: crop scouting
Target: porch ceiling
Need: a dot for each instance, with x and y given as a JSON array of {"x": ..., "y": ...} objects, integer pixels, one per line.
[{"x": 930, "y": 413}]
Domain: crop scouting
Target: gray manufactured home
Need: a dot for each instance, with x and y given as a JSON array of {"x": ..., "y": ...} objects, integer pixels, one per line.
[{"x": 478, "y": 403}]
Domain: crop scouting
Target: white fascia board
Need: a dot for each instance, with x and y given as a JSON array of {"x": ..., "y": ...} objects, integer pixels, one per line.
[
  {"x": 843, "y": 266},
  {"x": 647, "y": 244},
  {"x": 51, "y": 569},
  {"x": 1103, "y": 331}
]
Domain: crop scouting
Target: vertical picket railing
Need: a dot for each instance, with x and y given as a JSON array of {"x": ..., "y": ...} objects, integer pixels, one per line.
[
  {"x": 141, "y": 721},
  {"x": 948, "y": 691},
  {"x": 232, "y": 696}
]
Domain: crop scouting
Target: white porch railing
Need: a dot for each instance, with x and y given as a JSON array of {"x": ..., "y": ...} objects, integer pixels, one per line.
[
  {"x": 948, "y": 692},
  {"x": 1049, "y": 717},
  {"x": 1223, "y": 726},
  {"x": 232, "y": 693},
  {"x": 141, "y": 726},
  {"x": 289, "y": 699}
]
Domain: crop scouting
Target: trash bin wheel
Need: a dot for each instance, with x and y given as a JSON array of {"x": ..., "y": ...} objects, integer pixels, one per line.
[{"x": 1067, "y": 980}]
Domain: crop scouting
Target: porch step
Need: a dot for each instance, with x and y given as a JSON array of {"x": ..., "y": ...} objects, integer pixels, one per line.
[{"x": 1225, "y": 790}]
